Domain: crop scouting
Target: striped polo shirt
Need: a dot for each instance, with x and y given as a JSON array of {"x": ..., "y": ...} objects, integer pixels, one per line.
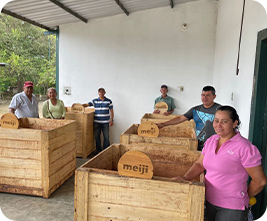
[{"x": 102, "y": 108}]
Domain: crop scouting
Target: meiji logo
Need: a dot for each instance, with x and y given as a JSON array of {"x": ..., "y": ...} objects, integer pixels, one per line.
[
  {"x": 149, "y": 131},
  {"x": 230, "y": 152},
  {"x": 141, "y": 169}
]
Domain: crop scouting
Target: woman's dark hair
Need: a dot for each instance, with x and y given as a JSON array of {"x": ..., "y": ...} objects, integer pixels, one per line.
[{"x": 232, "y": 114}]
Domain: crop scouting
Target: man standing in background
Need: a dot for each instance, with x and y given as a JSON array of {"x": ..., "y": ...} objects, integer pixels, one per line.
[
  {"x": 25, "y": 104},
  {"x": 165, "y": 98},
  {"x": 103, "y": 118}
]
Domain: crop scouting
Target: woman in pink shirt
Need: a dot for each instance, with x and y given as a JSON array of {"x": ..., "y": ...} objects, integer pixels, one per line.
[{"x": 229, "y": 159}]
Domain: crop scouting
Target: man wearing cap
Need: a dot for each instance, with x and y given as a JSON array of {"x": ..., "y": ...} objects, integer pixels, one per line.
[
  {"x": 25, "y": 104},
  {"x": 103, "y": 118},
  {"x": 165, "y": 98}
]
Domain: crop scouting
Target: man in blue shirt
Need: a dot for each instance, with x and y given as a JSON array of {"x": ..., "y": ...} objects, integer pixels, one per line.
[
  {"x": 167, "y": 99},
  {"x": 103, "y": 118}
]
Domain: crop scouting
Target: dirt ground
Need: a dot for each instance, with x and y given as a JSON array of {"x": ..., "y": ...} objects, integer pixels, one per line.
[{"x": 5, "y": 103}]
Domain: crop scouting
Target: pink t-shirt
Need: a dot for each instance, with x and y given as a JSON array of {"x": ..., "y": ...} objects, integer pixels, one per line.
[{"x": 226, "y": 177}]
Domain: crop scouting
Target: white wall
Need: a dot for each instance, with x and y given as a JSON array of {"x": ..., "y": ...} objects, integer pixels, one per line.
[
  {"x": 227, "y": 39},
  {"x": 132, "y": 56}
]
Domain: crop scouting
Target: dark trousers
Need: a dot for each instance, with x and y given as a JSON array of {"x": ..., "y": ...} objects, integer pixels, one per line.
[
  {"x": 216, "y": 213},
  {"x": 104, "y": 128}
]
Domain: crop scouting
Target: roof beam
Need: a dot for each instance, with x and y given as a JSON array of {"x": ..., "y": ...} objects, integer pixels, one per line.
[
  {"x": 25, "y": 19},
  {"x": 172, "y": 4},
  {"x": 69, "y": 10},
  {"x": 122, "y": 7}
]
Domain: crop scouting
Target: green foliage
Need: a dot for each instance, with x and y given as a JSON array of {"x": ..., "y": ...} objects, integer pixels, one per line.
[{"x": 30, "y": 55}]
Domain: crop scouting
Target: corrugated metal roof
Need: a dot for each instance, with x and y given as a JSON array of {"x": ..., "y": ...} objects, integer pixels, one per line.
[{"x": 50, "y": 15}]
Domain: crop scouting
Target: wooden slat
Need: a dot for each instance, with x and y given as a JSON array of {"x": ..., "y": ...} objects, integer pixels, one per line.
[
  {"x": 20, "y": 153},
  {"x": 20, "y": 144},
  {"x": 59, "y": 141},
  {"x": 23, "y": 190},
  {"x": 62, "y": 173},
  {"x": 59, "y": 152},
  {"x": 197, "y": 201},
  {"x": 22, "y": 182},
  {"x": 101, "y": 211},
  {"x": 6, "y": 162},
  {"x": 61, "y": 162},
  {"x": 16, "y": 172},
  {"x": 60, "y": 182},
  {"x": 138, "y": 192},
  {"x": 20, "y": 134},
  {"x": 45, "y": 164},
  {"x": 159, "y": 118},
  {"x": 81, "y": 199},
  {"x": 47, "y": 124}
]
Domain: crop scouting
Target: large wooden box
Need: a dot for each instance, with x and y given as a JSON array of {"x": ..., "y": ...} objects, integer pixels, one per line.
[
  {"x": 182, "y": 137},
  {"x": 38, "y": 159},
  {"x": 101, "y": 194},
  {"x": 85, "y": 142},
  {"x": 160, "y": 118}
]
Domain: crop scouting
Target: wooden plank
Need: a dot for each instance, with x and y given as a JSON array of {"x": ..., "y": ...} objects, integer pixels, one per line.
[
  {"x": 60, "y": 182},
  {"x": 20, "y": 163},
  {"x": 101, "y": 211},
  {"x": 59, "y": 141},
  {"x": 45, "y": 164},
  {"x": 59, "y": 152},
  {"x": 196, "y": 199},
  {"x": 16, "y": 172},
  {"x": 47, "y": 124},
  {"x": 20, "y": 153},
  {"x": 61, "y": 162},
  {"x": 81, "y": 199},
  {"x": 24, "y": 182},
  {"x": 20, "y": 144},
  {"x": 102, "y": 161},
  {"x": 62, "y": 173},
  {"x": 23, "y": 190},
  {"x": 20, "y": 134},
  {"x": 158, "y": 118},
  {"x": 138, "y": 192},
  {"x": 176, "y": 131},
  {"x": 68, "y": 128},
  {"x": 160, "y": 140}
]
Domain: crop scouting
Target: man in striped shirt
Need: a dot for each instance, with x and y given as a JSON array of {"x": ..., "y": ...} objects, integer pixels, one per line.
[{"x": 103, "y": 118}]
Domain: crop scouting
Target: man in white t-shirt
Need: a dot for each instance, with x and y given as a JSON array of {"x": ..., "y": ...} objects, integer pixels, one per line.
[{"x": 25, "y": 104}]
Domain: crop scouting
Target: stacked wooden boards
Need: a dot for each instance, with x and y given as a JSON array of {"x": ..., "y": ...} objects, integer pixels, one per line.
[
  {"x": 101, "y": 194},
  {"x": 85, "y": 143},
  {"x": 38, "y": 157}
]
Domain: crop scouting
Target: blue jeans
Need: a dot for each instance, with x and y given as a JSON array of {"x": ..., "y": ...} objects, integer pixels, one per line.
[
  {"x": 105, "y": 130},
  {"x": 216, "y": 213}
]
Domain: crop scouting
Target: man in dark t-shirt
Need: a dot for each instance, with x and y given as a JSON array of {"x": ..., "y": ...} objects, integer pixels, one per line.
[{"x": 203, "y": 116}]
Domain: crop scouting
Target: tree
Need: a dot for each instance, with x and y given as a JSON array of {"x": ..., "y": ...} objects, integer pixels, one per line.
[{"x": 30, "y": 55}]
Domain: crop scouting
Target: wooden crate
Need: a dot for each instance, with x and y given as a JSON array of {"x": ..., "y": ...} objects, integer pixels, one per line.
[
  {"x": 101, "y": 194},
  {"x": 159, "y": 118},
  {"x": 182, "y": 137},
  {"x": 38, "y": 159},
  {"x": 85, "y": 142}
]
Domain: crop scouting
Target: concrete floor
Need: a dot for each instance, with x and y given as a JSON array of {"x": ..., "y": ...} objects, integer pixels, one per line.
[{"x": 60, "y": 205}]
